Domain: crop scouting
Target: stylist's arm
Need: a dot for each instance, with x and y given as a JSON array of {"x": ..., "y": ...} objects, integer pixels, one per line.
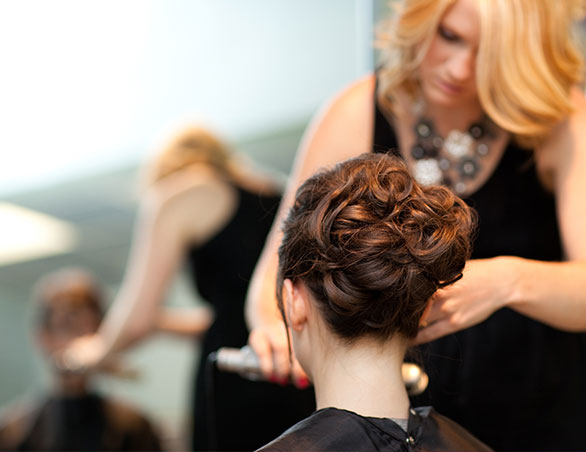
[{"x": 338, "y": 132}]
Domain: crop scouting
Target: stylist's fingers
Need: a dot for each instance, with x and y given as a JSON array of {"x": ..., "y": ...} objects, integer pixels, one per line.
[
  {"x": 424, "y": 320},
  {"x": 434, "y": 331},
  {"x": 435, "y": 310},
  {"x": 298, "y": 376},
  {"x": 259, "y": 342},
  {"x": 84, "y": 353},
  {"x": 281, "y": 362},
  {"x": 271, "y": 346}
]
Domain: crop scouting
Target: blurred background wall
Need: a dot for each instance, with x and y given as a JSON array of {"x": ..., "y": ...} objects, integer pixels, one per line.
[{"x": 88, "y": 88}]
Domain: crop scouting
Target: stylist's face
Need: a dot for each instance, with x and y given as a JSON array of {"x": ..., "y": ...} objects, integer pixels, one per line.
[{"x": 447, "y": 71}]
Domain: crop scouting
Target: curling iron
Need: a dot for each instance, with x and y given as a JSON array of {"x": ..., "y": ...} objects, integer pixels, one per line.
[{"x": 244, "y": 362}]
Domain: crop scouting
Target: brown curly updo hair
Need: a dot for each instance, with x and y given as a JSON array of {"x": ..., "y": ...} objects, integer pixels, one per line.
[{"x": 372, "y": 245}]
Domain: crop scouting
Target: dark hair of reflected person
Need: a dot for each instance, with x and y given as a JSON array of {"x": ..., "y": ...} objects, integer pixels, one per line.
[
  {"x": 67, "y": 289},
  {"x": 372, "y": 245}
]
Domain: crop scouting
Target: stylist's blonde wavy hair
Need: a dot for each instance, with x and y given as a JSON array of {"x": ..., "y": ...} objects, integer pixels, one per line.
[{"x": 528, "y": 59}]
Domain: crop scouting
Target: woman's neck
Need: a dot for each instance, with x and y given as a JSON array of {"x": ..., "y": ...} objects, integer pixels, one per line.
[
  {"x": 447, "y": 119},
  {"x": 364, "y": 378},
  {"x": 70, "y": 385}
]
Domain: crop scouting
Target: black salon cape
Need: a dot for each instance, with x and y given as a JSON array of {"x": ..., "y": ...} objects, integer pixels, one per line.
[{"x": 332, "y": 429}]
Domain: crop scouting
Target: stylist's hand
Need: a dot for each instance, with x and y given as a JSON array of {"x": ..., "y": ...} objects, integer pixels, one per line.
[
  {"x": 486, "y": 286},
  {"x": 84, "y": 353},
  {"x": 269, "y": 342}
]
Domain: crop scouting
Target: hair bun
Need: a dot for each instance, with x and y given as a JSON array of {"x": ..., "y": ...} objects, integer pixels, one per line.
[{"x": 372, "y": 245}]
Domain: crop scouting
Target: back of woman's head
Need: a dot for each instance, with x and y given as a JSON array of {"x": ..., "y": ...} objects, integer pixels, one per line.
[
  {"x": 372, "y": 245},
  {"x": 193, "y": 145}
]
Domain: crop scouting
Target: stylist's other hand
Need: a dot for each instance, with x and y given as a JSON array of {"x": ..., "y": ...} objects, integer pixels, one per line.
[
  {"x": 486, "y": 286},
  {"x": 270, "y": 344},
  {"x": 84, "y": 353}
]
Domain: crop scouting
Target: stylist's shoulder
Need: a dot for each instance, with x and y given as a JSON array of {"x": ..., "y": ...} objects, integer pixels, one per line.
[
  {"x": 343, "y": 127},
  {"x": 572, "y": 127},
  {"x": 563, "y": 151},
  {"x": 176, "y": 204},
  {"x": 577, "y": 119},
  {"x": 356, "y": 100},
  {"x": 574, "y": 124}
]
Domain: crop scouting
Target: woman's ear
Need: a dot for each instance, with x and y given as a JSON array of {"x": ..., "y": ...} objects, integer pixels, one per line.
[{"x": 295, "y": 301}]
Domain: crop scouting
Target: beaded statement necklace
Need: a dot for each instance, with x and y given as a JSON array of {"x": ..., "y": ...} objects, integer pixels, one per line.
[{"x": 455, "y": 160}]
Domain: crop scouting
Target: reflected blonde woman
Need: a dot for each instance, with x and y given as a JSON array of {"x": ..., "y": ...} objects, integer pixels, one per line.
[{"x": 210, "y": 207}]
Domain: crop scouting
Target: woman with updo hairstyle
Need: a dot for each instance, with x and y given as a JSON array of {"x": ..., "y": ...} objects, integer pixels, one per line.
[
  {"x": 485, "y": 97},
  {"x": 211, "y": 208},
  {"x": 364, "y": 249}
]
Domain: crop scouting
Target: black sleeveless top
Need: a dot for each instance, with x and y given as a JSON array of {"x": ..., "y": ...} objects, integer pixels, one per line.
[
  {"x": 515, "y": 383},
  {"x": 232, "y": 413},
  {"x": 222, "y": 267}
]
